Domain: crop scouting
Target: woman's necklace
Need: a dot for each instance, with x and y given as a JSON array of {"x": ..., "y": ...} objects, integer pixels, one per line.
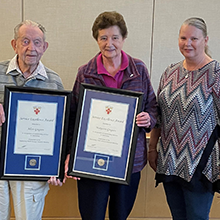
[{"x": 200, "y": 64}]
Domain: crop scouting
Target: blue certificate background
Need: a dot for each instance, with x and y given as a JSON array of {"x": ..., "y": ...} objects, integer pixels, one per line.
[
  {"x": 15, "y": 163},
  {"x": 83, "y": 161}
]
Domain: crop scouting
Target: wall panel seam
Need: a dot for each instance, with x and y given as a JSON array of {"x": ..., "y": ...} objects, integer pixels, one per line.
[
  {"x": 152, "y": 38},
  {"x": 22, "y": 10}
]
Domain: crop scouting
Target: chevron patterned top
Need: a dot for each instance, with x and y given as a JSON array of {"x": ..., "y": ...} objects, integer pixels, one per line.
[{"x": 189, "y": 105}]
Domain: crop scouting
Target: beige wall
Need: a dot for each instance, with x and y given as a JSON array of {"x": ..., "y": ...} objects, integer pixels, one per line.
[
  {"x": 153, "y": 27},
  {"x": 69, "y": 25}
]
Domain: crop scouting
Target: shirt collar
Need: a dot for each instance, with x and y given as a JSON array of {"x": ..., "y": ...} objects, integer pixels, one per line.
[
  {"x": 13, "y": 65},
  {"x": 101, "y": 69}
]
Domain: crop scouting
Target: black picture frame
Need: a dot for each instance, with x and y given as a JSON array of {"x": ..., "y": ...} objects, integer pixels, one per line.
[
  {"x": 105, "y": 134},
  {"x": 34, "y": 135}
]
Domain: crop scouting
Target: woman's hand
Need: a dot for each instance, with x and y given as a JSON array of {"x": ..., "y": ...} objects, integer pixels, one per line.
[
  {"x": 152, "y": 151},
  {"x": 143, "y": 120},
  {"x": 152, "y": 158},
  {"x": 66, "y": 170}
]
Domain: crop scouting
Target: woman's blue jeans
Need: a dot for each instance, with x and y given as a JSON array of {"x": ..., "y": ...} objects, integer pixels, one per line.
[{"x": 186, "y": 204}]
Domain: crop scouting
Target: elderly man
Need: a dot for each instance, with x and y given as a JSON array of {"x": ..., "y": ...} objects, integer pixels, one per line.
[{"x": 26, "y": 69}]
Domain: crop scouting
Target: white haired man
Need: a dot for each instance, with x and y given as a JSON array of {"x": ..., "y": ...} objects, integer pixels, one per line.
[{"x": 26, "y": 69}]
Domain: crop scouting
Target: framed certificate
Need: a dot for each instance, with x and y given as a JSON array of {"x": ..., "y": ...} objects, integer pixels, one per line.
[
  {"x": 34, "y": 134},
  {"x": 104, "y": 139}
]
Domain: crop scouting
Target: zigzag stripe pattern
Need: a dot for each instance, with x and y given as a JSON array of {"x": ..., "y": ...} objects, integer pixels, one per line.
[{"x": 189, "y": 102}]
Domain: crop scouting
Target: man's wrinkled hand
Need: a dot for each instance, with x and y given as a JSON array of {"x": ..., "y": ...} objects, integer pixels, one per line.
[
  {"x": 2, "y": 115},
  {"x": 55, "y": 181}
]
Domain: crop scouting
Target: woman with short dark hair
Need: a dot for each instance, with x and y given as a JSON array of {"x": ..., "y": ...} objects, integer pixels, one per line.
[{"x": 112, "y": 67}]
